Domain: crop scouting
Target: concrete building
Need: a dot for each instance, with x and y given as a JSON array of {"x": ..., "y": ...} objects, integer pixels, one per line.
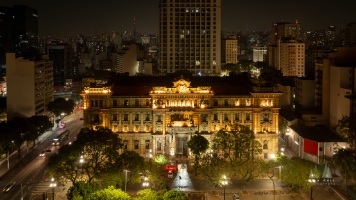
[
  {"x": 29, "y": 85},
  {"x": 334, "y": 87},
  {"x": 259, "y": 53},
  {"x": 284, "y": 29},
  {"x": 291, "y": 57},
  {"x": 229, "y": 50},
  {"x": 304, "y": 93},
  {"x": 350, "y": 34},
  {"x": 128, "y": 58},
  {"x": 190, "y": 36},
  {"x": 149, "y": 112},
  {"x": 62, "y": 56}
]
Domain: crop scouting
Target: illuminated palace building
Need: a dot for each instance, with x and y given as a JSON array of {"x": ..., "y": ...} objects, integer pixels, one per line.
[{"x": 159, "y": 115}]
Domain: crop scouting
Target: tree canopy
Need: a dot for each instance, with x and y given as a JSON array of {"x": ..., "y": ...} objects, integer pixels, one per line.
[
  {"x": 109, "y": 193},
  {"x": 61, "y": 107},
  {"x": 346, "y": 126},
  {"x": 198, "y": 144}
]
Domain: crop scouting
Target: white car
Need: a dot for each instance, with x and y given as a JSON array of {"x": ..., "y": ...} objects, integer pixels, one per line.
[
  {"x": 9, "y": 186},
  {"x": 43, "y": 153}
]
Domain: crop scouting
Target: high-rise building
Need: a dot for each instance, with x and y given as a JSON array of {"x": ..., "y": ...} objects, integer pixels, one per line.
[
  {"x": 284, "y": 29},
  {"x": 29, "y": 85},
  {"x": 62, "y": 56},
  {"x": 350, "y": 34},
  {"x": 259, "y": 53},
  {"x": 291, "y": 56},
  {"x": 18, "y": 30},
  {"x": 190, "y": 36},
  {"x": 229, "y": 49}
]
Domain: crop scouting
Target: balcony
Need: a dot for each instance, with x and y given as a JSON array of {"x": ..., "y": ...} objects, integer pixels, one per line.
[{"x": 184, "y": 123}]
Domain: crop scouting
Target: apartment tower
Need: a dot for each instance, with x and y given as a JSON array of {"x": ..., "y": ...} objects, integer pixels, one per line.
[{"x": 190, "y": 36}]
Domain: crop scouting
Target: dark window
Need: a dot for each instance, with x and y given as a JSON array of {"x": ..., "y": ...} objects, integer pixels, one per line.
[
  {"x": 159, "y": 148},
  {"x": 159, "y": 118},
  {"x": 237, "y": 116},
  {"x": 226, "y": 117},
  {"x": 100, "y": 103},
  {"x": 137, "y": 117},
  {"x": 126, "y": 102},
  {"x": 114, "y": 103},
  {"x": 204, "y": 117},
  {"x": 215, "y": 102},
  {"x": 215, "y": 116},
  {"x": 114, "y": 117},
  {"x": 265, "y": 155},
  {"x": 147, "y": 144},
  {"x": 137, "y": 102},
  {"x": 147, "y": 118},
  {"x": 248, "y": 116},
  {"x": 226, "y": 102},
  {"x": 91, "y": 103},
  {"x": 147, "y": 102},
  {"x": 125, "y": 144},
  {"x": 136, "y": 143},
  {"x": 265, "y": 144},
  {"x": 126, "y": 117}
]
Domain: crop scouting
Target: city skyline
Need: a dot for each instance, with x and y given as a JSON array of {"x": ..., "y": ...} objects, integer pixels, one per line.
[{"x": 79, "y": 17}]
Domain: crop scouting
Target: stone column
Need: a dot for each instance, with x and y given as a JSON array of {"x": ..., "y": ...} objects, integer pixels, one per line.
[
  {"x": 153, "y": 123},
  {"x": 142, "y": 117},
  {"x": 164, "y": 123}
]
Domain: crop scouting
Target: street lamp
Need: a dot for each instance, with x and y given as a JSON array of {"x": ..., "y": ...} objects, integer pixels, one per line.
[
  {"x": 311, "y": 180},
  {"x": 125, "y": 170},
  {"x": 8, "y": 155},
  {"x": 53, "y": 185},
  {"x": 81, "y": 161},
  {"x": 224, "y": 182}
]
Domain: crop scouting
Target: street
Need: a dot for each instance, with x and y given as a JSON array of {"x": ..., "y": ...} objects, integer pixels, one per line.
[{"x": 30, "y": 170}]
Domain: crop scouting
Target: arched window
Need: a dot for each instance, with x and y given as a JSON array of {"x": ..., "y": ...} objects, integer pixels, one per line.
[{"x": 265, "y": 144}]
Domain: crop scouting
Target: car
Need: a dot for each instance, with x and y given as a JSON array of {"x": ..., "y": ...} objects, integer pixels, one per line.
[
  {"x": 235, "y": 197},
  {"x": 43, "y": 153},
  {"x": 9, "y": 187},
  {"x": 170, "y": 174},
  {"x": 48, "y": 150}
]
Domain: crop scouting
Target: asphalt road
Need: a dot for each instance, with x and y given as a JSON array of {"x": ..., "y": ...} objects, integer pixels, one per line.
[{"x": 30, "y": 170}]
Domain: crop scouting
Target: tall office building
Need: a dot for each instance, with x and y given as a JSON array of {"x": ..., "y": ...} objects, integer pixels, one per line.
[
  {"x": 229, "y": 49},
  {"x": 29, "y": 85},
  {"x": 18, "y": 30},
  {"x": 291, "y": 56},
  {"x": 259, "y": 53},
  {"x": 62, "y": 56},
  {"x": 190, "y": 36}
]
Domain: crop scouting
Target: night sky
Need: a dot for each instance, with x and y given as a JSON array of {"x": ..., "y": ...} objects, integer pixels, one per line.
[{"x": 70, "y": 17}]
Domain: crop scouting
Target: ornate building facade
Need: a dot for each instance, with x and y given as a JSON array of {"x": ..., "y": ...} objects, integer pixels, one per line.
[{"x": 161, "y": 119}]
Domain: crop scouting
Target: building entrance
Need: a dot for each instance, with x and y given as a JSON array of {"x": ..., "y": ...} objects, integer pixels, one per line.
[{"x": 181, "y": 146}]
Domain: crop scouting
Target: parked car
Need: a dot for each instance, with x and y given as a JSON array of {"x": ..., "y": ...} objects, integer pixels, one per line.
[
  {"x": 170, "y": 174},
  {"x": 235, "y": 197},
  {"x": 48, "y": 150},
  {"x": 9, "y": 187}
]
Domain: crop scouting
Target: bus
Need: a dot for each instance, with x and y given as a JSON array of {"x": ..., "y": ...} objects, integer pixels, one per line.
[{"x": 61, "y": 137}]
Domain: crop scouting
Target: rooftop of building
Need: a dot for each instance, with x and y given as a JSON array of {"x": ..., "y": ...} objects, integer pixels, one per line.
[
  {"x": 288, "y": 115},
  {"x": 318, "y": 133}
]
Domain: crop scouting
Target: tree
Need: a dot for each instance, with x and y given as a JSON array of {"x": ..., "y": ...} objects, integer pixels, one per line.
[
  {"x": 295, "y": 173},
  {"x": 175, "y": 195},
  {"x": 346, "y": 126},
  {"x": 64, "y": 166},
  {"x": 239, "y": 147},
  {"x": 147, "y": 194},
  {"x": 61, "y": 107},
  {"x": 344, "y": 160},
  {"x": 109, "y": 194},
  {"x": 132, "y": 161},
  {"x": 198, "y": 144},
  {"x": 81, "y": 190},
  {"x": 161, "y": 160},
  {"x": 99, "y": 149}
]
